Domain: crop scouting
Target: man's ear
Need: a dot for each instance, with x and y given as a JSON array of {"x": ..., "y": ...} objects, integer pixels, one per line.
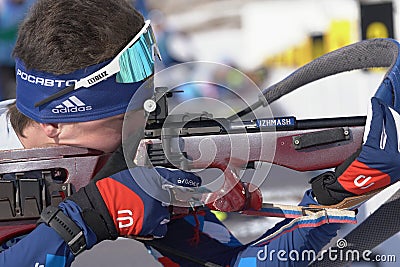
[{"x": 52, "y": 130}]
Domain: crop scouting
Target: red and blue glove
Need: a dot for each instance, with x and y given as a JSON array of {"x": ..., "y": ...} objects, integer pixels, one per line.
[
  {"x": 375, "y": 165},
  {"x": 134, "y": 210},
  {"x": 115, "y": 203}
]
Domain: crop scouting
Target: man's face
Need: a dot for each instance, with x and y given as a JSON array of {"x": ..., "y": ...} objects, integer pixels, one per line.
[{"x": 104, "y": 134}]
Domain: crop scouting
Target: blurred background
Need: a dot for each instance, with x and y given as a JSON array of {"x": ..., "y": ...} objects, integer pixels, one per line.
[{"x": 266, "y": 40}]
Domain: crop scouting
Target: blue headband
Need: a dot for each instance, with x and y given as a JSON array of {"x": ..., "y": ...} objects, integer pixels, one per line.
[{"x": 104, "y": 99}]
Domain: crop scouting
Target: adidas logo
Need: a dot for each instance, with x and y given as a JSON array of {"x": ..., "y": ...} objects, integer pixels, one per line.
[{"x": 73, "y": 104}]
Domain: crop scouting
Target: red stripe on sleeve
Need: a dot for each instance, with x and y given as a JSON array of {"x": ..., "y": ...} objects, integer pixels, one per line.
[
  {"x": 125, "y": 206},
  {"x": 359, "y": 178}
]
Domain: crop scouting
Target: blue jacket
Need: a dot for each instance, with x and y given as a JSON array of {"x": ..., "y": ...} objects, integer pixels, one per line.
[{"x": 53, "y": 252}]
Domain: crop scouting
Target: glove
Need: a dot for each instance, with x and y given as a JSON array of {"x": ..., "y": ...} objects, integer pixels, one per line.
[
  {"x": 234, "y": 195},
  {"x": 127, "y": 202},
  {"x": 243, "y": 196},
  {"x": 375, "y": 165}
]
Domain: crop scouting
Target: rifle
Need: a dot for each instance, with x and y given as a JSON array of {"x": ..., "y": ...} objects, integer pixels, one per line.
[
  {"x": 184, "y": 142},
  {"x": 299, "y": 143},
  {"x": 197, "y": 141}
]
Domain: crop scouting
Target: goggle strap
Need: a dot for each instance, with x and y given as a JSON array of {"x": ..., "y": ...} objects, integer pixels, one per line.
[{"x": 55, "y": 96}]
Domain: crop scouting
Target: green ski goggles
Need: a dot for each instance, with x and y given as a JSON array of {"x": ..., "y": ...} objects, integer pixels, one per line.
[{"x": 133, "y": 64}]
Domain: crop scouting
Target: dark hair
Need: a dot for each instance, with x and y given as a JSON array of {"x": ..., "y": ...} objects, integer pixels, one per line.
[
  {"x": 18, "y": 120},
  {"x": 61, "y": 36}
]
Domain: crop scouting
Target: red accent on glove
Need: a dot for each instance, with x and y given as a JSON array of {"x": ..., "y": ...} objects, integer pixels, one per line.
[
  {"x": 125, "y": 207},
  {"x": 359, "y": 179},
  {"x": 234, "y": 195},
  {"x": 254, "y": 199}
]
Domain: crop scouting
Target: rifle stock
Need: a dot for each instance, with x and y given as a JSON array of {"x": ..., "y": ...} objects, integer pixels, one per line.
[{"x": 31, "y": 179}]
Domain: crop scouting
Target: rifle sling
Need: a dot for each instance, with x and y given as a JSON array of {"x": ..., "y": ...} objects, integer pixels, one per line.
[
  {"x": 351, "y": 202},
  {"x": 302, "y": 217}
]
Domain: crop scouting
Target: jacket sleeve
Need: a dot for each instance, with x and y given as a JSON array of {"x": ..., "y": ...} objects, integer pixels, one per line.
[
  {"x": 294, "y": 248},
  {"x": 43, "y": 247}
]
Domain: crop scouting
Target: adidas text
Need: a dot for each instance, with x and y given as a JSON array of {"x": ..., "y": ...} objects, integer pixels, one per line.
[
  {"x": 73, "y": 109},
  {"x": 71, "y": 105}
]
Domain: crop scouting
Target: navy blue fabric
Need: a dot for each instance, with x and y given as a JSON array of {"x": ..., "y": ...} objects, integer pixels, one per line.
[
  {"x": 55, "y": 253},
  {"x": 385, "y": 159},
  {"x": 179, "y": 177},
  {"x": 311, "y": 239},
  {"x": 35, "y": 250},
  {"x": 230, "y": 252},
  {"x": 104, "y": 99},
  {"x": 388, "y": 89}
]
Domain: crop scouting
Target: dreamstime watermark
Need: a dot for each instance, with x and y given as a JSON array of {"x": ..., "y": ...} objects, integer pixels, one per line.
[{"x": 339, "y": 253}]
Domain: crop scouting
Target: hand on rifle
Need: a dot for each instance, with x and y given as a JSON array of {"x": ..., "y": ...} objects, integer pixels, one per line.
[
  {"x": 234, "y": 195},
  {"x": 374, "y": 166}
]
